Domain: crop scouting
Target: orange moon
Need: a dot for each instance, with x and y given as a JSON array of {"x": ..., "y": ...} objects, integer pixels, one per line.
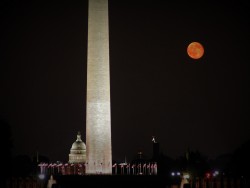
[{"x": 195, "y": 50}]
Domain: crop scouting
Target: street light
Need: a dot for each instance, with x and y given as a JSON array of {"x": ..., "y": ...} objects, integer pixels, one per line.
[{"x": 41, "y": 176}]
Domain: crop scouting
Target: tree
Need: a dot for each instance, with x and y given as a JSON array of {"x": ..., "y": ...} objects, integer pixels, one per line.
[
  {"x": 22, "y": 166},
  {"x": 193, "y": 162},
  {"x": 240, "y": 163},
  {"x": 6, "y": 146}
]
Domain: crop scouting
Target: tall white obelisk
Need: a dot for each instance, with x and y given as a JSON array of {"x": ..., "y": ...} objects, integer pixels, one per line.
[{"x": 98, "y": 117}]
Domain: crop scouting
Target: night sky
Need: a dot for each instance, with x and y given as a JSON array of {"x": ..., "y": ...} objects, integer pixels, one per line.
[{"x": 156, "y": 89}]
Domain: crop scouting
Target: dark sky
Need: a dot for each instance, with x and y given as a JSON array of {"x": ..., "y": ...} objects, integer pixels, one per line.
[{"x": 156, "y": 89}]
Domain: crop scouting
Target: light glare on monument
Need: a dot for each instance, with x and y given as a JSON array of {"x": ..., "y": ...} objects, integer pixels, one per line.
[{"x": 98, "y": 120}]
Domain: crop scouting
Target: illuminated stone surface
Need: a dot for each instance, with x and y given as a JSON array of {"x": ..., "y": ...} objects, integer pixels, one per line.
[{"x": 98, "y": 120}]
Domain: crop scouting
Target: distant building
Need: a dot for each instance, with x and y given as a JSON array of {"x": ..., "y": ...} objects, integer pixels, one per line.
[
  {"x": 77, "y": 164},
  {"x": 156, "y": 149},
  {"x": 78, "y": 151}
]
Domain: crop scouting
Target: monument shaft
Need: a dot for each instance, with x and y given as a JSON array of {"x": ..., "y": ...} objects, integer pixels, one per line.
[{"x": 98, "y": 117}]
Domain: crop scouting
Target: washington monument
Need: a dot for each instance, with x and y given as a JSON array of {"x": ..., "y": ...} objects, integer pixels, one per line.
[{"x": 98, "y": 117}]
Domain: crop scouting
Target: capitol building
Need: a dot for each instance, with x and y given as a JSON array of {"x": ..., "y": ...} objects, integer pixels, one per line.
[
  {"x": 78, "y": 151},
  {"x": 77, "y": 163}
]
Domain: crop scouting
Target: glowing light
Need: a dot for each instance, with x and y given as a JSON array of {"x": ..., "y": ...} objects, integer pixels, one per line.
[
  {"x": 195, "y": 50},
  {"x": 208, "y": 175},
  {"x": 215, "y": 173},
  {"x": 41, "y": 176}
]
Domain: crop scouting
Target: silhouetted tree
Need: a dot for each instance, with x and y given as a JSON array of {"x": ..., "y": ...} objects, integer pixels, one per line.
[
  {"x": 22, "y": 166},
  {"x": 165, "y": 165},
  {"x": 198, "y": 163},
  {"x": 6, "y": 146},
  {"x": 221, "y": 162},
  {"x": 193, "y": 162},
  {"x": 240, "y": 163}
]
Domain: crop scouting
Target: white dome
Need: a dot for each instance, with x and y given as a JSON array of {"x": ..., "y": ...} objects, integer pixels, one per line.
[
  {"x": 78, "y": 145},
  {"x": 78, "y": 151}
]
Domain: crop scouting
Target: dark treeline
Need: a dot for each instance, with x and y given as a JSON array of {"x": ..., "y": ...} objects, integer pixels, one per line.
[{"x": 6, "y": 147}]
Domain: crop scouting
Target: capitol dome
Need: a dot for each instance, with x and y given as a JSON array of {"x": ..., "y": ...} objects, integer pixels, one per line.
[
  {"x": 78, "y": 144},
  {"x": 78, "y": 151}
]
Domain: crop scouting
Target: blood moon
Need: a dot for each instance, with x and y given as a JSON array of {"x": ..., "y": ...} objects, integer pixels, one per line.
[{"x": 195, "y": 50}]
